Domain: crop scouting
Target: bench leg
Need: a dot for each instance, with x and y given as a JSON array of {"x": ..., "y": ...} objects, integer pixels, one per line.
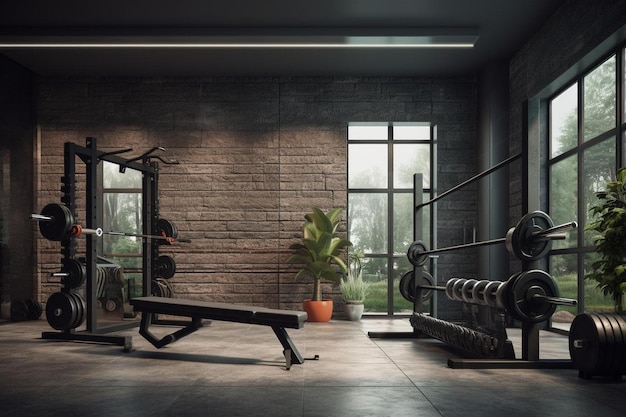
[
  {"x": 290, "y": 351},
  {"x": 146, "y": 321}
]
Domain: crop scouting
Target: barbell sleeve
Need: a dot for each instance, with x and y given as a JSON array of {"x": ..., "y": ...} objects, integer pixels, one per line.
[
  {"x": 554, "y": 231},
  {"x": 556, "y": 300},
  {"x": 41, "y": 218}
]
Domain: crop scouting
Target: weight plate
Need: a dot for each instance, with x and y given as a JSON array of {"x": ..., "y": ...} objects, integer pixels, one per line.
[
  {"x": 406, "y": 283},
  {"x": 587, "y": 344},
  {"x": 167, "y": 287},
  {"x": 449, "y": 286},
  {"x": 500, "y": 292},
  {"x": 415, "y": 253},
  {"x": 457, "y": 289},
  {"x": 77, "y": 273},
  {"x": 609, "y": 367},
  {"x": 466, "y": 290},
  {"x": 519, "y": 298},
  {"x": 167, "y": 228},
  {"x": 165, "y": 266},
  {"x": 478, "y": 292},
  {"x": 61, "y": 311},
  {"x": 407, "y": 286},
  {"x": 520, "y": 242},
  {"x": 81, "y": 308},
  {"x": 620, "y": 323},
  {"x": 59, "y": 227},
  {"x": 491, "y": 293},
  {"x": 112, "y": 304}
]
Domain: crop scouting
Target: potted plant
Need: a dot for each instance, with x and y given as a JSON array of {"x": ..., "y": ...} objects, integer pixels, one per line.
[
  {"x": 319, "y": 254},
  {"x": 610, "y": 270},
  {"x": 353, "y": 288}
]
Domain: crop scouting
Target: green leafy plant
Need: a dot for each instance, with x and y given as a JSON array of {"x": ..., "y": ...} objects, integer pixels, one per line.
[
  {"x": 320, "y": 249},
  {"x": 610, "y": 222},
  {"x": 353, "y": 288}
]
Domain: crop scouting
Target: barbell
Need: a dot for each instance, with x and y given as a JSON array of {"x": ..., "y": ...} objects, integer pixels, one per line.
[
  {"x": 56, "y": 223},
  {"x": 530, "y": 296},
  {"x": 530, "y": 240}
]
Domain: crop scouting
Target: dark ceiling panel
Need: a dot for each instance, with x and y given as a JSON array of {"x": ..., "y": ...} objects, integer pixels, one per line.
[{"x": 503, "y": 27}]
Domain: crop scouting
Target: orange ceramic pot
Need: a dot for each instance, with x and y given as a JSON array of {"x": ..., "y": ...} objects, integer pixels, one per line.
[{"x": 318, "y": 311}]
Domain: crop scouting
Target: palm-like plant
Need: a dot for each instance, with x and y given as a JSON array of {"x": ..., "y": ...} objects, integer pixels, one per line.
[
  {"x": 320, "y": 249},
  {"x": 610, "y": 270}
]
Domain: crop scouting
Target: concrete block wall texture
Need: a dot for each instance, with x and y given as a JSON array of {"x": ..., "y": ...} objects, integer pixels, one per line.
[{"x": 255, "y": 155}]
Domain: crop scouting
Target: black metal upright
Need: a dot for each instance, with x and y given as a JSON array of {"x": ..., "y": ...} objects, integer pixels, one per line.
[{"x": 91, "y": 157}]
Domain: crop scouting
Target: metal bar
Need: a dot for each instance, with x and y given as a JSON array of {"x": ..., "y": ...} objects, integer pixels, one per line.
[
  {"x": 554, "y": 230},
  {"x": 432, "y": 287},
  {"x": 472, "y": 179},
  {"x": 465, "y": 246},
  {"x": 557, "y": 300}
]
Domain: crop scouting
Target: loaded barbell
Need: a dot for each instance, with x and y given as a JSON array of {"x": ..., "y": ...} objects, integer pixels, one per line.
[
  {"x": 530, "y": 240},
  {"x": 530, "y": 296},
  {"x": 56, "y": 223}
]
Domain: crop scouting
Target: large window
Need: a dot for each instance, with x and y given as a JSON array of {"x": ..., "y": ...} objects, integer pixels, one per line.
[
  {"x": 585, "y": 150},
  {"x": 382, "y": 161}
]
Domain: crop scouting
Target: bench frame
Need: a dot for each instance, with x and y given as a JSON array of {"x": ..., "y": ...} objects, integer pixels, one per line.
[{"x": 198, "y": 310}]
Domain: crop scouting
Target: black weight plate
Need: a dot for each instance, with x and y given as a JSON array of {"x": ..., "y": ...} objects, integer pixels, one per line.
[
  {"x": 609, "y": 366},
  {"x": 165, "y": 266},
  {"x": 589, "y": 357},
  {"x": 61, "y": 311},
  {"x": 520, "y": 241},
  {"x": 406, "y": 283},
  {"x": 81, "y": 309},
  {"x": 449, "y": 286},
  {"x": 77, "y": 272},
  {"x": 414, "y": 253},
  {"x": 618, "y": 344},
  {"x": 59, "y": 227},
  {"x": 166, "y": 227},
  {"x": 619, "y": 321},
  {"x": 427, "y": 280},
  {"x": 531, "y": 310}
]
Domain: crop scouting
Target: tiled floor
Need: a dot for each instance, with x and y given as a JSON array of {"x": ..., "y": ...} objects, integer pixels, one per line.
[{"x": 229, "y": 369}]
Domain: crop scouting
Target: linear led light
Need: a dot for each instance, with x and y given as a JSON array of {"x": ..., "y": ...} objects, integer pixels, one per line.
[{"x": 244, "y": 42}]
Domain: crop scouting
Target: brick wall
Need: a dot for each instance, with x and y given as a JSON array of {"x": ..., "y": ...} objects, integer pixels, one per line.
[{"x": 255, "y": 155}]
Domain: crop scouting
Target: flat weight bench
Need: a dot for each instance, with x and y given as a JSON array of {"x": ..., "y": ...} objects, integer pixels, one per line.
[{"x": 278, "y": 320}]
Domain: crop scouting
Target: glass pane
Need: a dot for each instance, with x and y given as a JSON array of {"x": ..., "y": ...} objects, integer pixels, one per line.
[
  {"x": 122, "y": 213},
  {"x": 367, "y": 222},
  {"x": 375, "y": 272},
  {"x": 113, "y": 178},
  {"x": 564, "y": 198},
  {"x": 411, "y": 132},
  {"x": 368, "y": 132},
  {"x": 564, "y": 121},
  {"x": 598, "y": 161},
  {"x": 599, "y": 87},
  {"x": 403, "y": 222},
  {"x": 409, "y": 159},
  {"x": 563, "y": 269},
  {"x": 367, "y": 166},
  {"x": 595, "y": 300}
]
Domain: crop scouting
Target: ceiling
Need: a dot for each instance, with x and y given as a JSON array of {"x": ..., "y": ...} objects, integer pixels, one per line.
[{"x": 502, "y": 26}]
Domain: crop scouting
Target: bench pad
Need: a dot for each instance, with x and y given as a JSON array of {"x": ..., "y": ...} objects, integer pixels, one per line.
[{"x": 278, "y": 320}]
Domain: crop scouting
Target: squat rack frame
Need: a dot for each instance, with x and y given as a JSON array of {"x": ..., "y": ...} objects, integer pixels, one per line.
[{"x": 91, "y": 157}]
